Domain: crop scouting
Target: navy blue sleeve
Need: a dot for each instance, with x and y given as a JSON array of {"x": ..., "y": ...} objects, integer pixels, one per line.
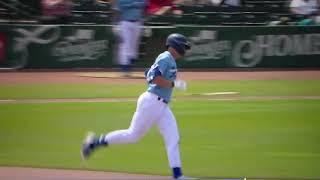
[
  {"x": 157, "y": 72},
  {"x": 153, "y": 73}
]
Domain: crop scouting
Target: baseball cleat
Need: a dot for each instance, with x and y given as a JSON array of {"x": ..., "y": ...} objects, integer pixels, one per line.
[{"x": 88, "y": 146}]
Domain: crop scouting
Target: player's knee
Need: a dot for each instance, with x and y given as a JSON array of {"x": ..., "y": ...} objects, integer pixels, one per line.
[
  {"x": 135, "y": 137},
  {"x": 174, "y": 142},
  {"x": 176, "y": 139}
]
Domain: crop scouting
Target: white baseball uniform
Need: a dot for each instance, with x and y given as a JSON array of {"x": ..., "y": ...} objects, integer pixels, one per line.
[{"x": 152, "y": 109}]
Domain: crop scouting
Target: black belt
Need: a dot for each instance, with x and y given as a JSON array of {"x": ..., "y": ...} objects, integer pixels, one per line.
[
  {"x": 163, "y": 100},
  {"x": 132, "y": 20}
]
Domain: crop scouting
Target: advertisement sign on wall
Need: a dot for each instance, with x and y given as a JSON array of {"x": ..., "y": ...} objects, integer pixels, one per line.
[
  {"x": 53, "y": 46},
  {"x": 93, "y": 46}
]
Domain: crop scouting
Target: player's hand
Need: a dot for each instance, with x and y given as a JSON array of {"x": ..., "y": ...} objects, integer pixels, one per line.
[{"x": 180, "y": 84}]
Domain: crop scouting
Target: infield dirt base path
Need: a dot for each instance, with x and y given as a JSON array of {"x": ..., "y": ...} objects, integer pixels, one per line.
[
  {"x": 24, "y": 173},
  {"x": 11, "y": 78}
]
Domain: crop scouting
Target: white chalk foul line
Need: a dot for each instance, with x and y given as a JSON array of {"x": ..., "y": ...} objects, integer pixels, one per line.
[
  {"x": 214, "y": 93},
  {"x": 222, "y": 99},
  {"x": 7, "y": 100},
  {"x": 219, "y": 93}
]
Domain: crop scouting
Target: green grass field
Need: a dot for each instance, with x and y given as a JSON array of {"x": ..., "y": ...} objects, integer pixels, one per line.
[{"x": 231, "y": 138}]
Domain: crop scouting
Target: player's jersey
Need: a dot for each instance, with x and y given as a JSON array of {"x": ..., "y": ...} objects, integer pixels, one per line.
[
  {"x": 131, "y": 10},
  {"x": 167, "y": 66}
]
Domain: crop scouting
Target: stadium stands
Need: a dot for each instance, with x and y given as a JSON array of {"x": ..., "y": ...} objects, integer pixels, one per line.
[
  {"x": 17, "y": 12},
  {"x": 89, "y": 12},
  {"x": 252, "y": 12}
]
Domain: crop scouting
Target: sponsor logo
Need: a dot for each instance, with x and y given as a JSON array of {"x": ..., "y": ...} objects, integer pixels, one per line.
[
  {"x": 36, "y": 35},
  {"x": 81, "y": 45},
  {"x": 205, "y": 46},
  {"x": 250, "y": 52}
]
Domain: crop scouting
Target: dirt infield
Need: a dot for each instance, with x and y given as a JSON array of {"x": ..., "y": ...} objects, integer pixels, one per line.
[
  {"x": 11, "y": 78},
  {"x": 20, "y": 173}
]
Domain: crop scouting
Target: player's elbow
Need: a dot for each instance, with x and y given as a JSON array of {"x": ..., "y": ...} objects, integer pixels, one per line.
[{"x": 160, "y": 81}]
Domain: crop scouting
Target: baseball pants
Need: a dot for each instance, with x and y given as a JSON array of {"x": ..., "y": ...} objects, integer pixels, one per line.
[
  {"x": 150, "y": 110},
  {"x": 129, "y": 33}
]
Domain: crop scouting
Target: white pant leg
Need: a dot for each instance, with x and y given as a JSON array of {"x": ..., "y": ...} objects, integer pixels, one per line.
[
  {"x": 147, "y": 112},
  {"x": 135, "y": 39},
  {"x": 169, "y": 130},
  {"x": 129, "y": 41},
  {"x": 123, "y": 49}
]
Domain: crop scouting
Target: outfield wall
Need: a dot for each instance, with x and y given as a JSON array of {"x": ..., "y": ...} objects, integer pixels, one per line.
[{"x": 84, "y": 46}]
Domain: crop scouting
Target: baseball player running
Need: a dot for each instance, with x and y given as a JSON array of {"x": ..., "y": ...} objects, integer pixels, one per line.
[{"x": 152, "y": 107}]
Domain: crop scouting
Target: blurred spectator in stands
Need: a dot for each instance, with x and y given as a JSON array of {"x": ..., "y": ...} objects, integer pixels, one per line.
[
  {"x": 307, "y": 10},
  {"x": 128, "y": 29},
  {"x": 161, "y": 7},
  {"x": 56, "y": 11},
  {"x": 232, "y": 3},
  {"x": 304, "y": 7}
]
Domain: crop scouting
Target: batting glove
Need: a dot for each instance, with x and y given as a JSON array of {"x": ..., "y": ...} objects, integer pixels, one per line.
[{"x": 180, "y": 84}]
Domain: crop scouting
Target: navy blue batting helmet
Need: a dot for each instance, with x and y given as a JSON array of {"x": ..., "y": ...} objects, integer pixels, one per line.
[{"x": 178, "y": 42}]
